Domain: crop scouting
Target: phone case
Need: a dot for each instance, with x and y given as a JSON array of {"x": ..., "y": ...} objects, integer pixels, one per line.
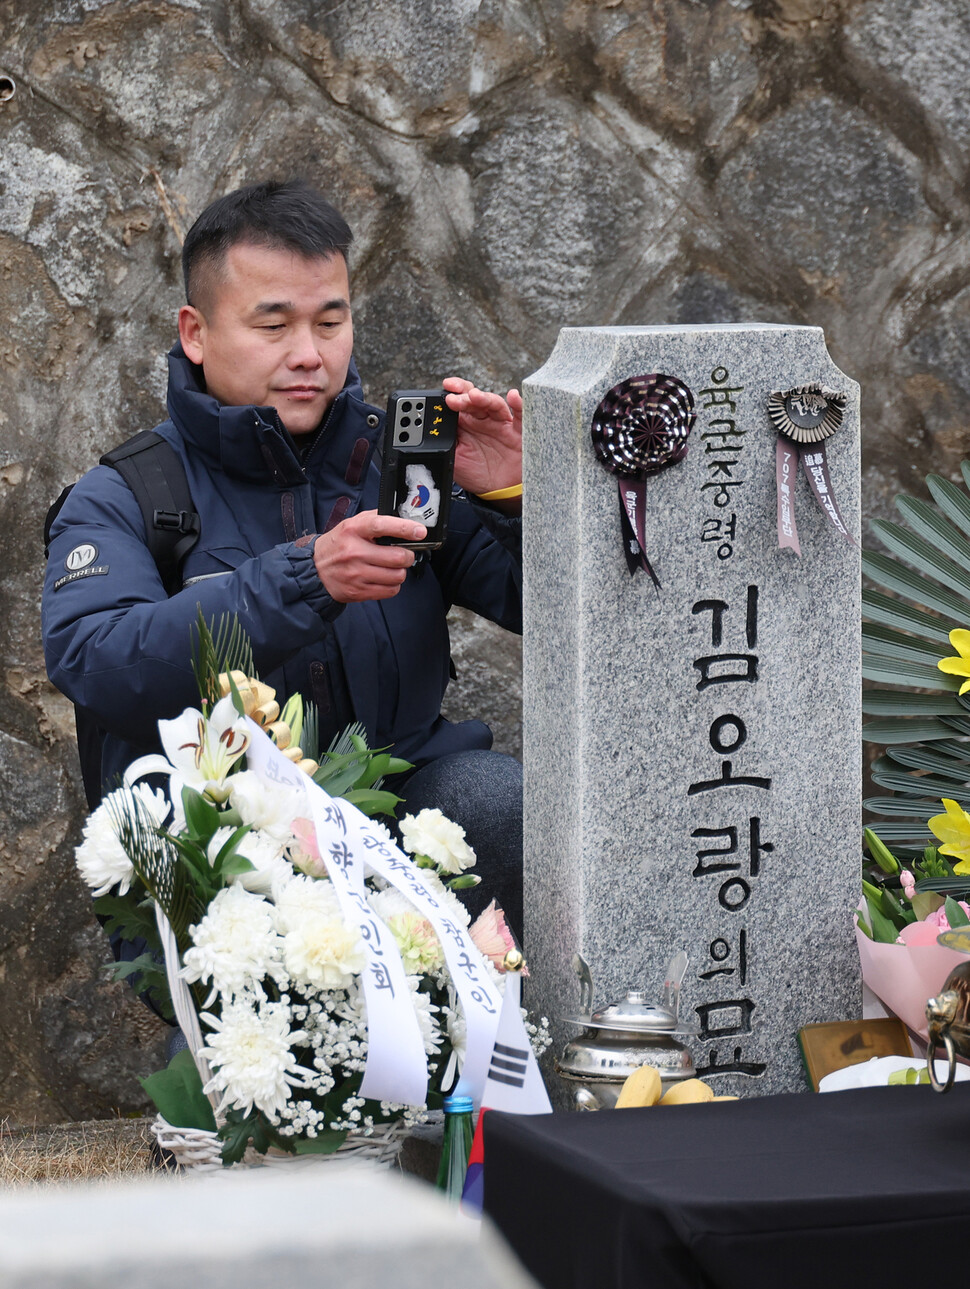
[{"x": 417, "y": 471}]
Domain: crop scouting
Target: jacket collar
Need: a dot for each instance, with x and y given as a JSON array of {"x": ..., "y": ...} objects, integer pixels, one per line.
[{"x": 251, "y": 442}]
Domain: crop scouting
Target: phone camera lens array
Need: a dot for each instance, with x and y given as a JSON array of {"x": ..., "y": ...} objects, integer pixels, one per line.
[{"x": 410, "y": 414}]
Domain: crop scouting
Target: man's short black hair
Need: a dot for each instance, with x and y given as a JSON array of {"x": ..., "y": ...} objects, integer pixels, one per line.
[{"x": 290, "y": 216}]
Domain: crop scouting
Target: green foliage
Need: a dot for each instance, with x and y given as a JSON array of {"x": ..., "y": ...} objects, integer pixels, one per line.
[
  {"x": 218, "y": 646},
  {"x": 352, "y": 770},
  {"x": 926, "y": 735},
  {"x": 885, "y": 914},
  {"x": 371, "y": 802},
  {"x": 178, "y": 1096},
  {"x": 324, "y": 1143},
  {"x": 954, "y": 913},
  {"x": 240, "y": 1130},
  {"x": 132, "y": 916},
  {"x": 155, "y": 861}
]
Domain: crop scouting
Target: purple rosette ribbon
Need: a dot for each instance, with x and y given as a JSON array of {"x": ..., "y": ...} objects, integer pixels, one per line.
[
  {"x": 804, "y": 417},
  {"x": 639, "y": 429}
]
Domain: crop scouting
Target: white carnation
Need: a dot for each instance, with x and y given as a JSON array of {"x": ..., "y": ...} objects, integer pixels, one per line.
[
  {"x": 235, "y": 946},
  {"x": 457, "y": 1028},
  {"x": 324, "y": 953},
  {"x": 252, "y": 1058},
  {"x": 389, "y": 903},
  {"x": 101, "y": 859},
  {"x": 268, "y": 807},
  {"x": 429, "y": 833},
  {"x": 413, "y": 934}
]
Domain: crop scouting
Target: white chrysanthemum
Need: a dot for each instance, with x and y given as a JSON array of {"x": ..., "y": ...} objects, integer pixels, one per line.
[
  {"x": 425, "y": 1011},
  {"x": 413, "y": 933},
  {"x": 251, "y": 1054},
  {"x": 457, "y": 1031},
  {"x": 323, "y": 952},
  {"x": 429, "y": 833},
  {"x": 101, "y": 859},
  {"x": 304, "y": 897},
  {"x": 270, "y": 869},
  {"x": 235, "y": 945},
  {"x": 269, "y": 807}
]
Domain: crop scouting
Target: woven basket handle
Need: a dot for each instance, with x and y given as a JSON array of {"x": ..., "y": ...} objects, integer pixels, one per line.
[{"x": 182, "y": 1001}]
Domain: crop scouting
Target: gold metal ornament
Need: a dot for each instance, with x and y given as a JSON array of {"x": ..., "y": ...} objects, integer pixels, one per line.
[
  {"x": 948, "y": 1015},
  {"x": 807, "y": 413}
]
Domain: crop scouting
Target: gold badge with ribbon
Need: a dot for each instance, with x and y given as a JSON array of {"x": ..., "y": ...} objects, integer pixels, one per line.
[{"x": 804, "y": 418}]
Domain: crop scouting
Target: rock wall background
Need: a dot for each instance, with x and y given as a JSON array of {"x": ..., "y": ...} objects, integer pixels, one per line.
[{"x": 509, "y": 166}]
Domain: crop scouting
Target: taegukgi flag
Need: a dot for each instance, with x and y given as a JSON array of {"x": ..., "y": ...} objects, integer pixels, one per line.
[{"x": 514, "y": 1084}]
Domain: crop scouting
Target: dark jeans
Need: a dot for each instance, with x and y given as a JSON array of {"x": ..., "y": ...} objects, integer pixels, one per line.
[{"x": 482, "y": 791}]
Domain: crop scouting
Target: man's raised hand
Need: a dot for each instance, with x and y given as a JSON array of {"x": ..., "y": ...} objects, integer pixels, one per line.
[
  {"x": 489, "y": 452},
  {"x": 353, "y": 566}
]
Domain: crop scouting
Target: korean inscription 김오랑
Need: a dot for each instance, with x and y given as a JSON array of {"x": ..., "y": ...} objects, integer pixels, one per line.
[{"x": 729, "y": 848}]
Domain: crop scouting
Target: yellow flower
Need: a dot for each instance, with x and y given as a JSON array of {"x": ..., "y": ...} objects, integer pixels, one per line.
[
  {"x": 960, "y": 639},
  {"x": 953, "y": 829}
]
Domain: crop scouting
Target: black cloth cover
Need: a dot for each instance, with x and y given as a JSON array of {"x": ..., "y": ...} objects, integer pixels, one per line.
[{"x": 806, "y": 1191}]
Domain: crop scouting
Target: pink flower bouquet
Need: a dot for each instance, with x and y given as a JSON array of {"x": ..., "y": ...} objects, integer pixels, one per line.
[{"x": 904, "y": 975}]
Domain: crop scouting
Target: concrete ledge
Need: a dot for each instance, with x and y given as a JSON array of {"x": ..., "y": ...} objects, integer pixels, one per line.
[{"x": 330, "y": 1226}]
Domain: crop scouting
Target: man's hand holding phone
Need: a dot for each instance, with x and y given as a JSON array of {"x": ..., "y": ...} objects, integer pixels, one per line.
[
  {"x": 488, "y": 457},
  {"x": 354, "y": 566}
]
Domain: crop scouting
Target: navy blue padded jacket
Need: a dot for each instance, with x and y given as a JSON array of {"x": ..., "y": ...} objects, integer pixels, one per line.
[{"x": 119, "y": 647}]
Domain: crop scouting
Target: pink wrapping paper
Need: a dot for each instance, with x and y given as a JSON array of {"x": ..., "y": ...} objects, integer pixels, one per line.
[{"x": 904, "y": 976}]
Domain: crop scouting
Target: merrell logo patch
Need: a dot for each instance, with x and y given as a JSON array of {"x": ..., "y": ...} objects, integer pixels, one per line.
[
  {"x": 80, "y": 557},
  {"x": 98, "y": 571}
]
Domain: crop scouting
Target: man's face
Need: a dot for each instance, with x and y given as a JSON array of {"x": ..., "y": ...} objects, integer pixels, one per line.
[{"x": 277, "y": 332}]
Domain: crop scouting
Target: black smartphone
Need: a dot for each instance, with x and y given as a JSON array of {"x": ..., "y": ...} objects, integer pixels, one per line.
[{"x": 418, "y": 466}]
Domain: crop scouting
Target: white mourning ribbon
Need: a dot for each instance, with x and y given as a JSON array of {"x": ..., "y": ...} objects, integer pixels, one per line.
[
  {"x": 480, "y": 1000},
  {"x": 345, "y": 836},
  {"x": 396, "y": 1067}
]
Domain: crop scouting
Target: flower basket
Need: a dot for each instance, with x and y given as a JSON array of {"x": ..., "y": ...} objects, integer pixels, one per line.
[
  {"x": 201, "y": 1151},
  {"x": 340, "y": 985}
]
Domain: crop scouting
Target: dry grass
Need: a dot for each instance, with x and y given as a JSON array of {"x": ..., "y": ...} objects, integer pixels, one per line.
[{"x": 73, "y": 1152}]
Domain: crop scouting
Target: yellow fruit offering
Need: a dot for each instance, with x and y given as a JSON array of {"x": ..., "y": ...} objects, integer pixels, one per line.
[
  {"x": 687, "y": 1093},
  {"x": 726, "y": 1098},
  {"x": 642, "y": 1087}
]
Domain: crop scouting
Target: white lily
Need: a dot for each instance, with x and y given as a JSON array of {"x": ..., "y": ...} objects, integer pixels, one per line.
[{"x": 199, "y": 753}]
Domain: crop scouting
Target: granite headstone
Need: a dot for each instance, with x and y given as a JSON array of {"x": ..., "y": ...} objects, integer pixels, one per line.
[{"x": 692, "y": 751}]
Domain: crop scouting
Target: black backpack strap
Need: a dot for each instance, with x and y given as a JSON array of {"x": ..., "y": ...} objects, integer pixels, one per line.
[
  {"x": 53, "y": 511},
  {"x": 154, "y": 472}
]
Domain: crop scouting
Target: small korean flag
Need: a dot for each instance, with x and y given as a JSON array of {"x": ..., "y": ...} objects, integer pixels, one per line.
[{"x": 423, "y": 500}]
